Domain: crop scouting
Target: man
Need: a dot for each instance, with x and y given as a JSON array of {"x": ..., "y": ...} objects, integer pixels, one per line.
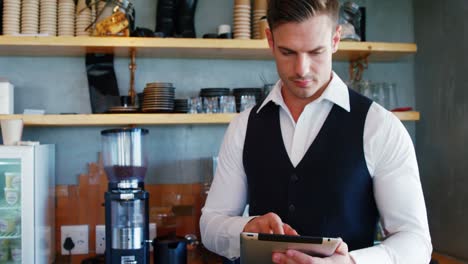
[{"x": 316, "y": 158}]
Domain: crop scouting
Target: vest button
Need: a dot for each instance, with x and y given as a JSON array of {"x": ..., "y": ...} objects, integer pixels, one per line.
[
  {"x": 294, "y": 178},
  {"x": 292, "y": 208}
]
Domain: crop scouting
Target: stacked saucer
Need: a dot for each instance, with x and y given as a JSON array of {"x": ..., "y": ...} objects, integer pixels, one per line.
[
  {"x": 48, "y": 17},
  {"x": 214, "y": 92},
  {"x": 11, "y": 17},
  {"x": 30, "y": 17},
  {"x": 66, "y": 18},
  {"x": 181, "y": 106},
  {"x": 123, "y": 109},
  {"x": 83, "y": 19},
  {"x": 158, "y": 97},
  {"x": 260, "y": 10},
  {"x": 241, "y": 21}
]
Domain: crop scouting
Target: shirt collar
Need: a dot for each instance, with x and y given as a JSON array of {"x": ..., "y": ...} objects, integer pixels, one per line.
[{"x": 336, "y": 92}]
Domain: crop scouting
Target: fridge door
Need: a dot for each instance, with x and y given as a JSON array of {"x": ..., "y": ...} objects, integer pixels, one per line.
[
  {"x": 16, "y": 169},
  {"x": 24, "y": 212},
  {"x": 44, "y": 203}
]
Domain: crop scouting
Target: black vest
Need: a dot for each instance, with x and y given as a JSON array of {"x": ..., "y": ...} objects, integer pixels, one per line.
[{"x": 330, "y": 192}]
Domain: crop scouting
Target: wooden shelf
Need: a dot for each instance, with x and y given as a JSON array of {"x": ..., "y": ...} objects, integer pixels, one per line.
[
  {"x": 184, "y": 48},
  {"x": 143, "y": 119}
]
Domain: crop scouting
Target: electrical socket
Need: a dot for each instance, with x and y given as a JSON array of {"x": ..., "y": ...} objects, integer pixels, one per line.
[
  {"x": 100, "y": 239},
  {"x": 79, "y": 235}
]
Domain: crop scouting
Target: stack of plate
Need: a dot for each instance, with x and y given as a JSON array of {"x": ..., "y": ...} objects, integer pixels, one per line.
[
  {"x": 158, "y": 97},
  {"x": 260, "y": 10},
  {"x": 214, "y": 92},
  {"x": 181, "y": 106},
  {"x": 11, "y": 17},
  {"x": 30, "y": 17},
  {"x": 83, "y": 19},
  {"x": 123, "y": 109},
  {"x": 48, "y": 17},
  {"x": 241, "y": 16},
  {"x": 66, "y": 18},
  {"x": 238, "y": 92}
]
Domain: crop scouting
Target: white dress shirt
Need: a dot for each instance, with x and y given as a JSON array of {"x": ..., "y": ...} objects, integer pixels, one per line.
[{"x": 390, "y": 159}]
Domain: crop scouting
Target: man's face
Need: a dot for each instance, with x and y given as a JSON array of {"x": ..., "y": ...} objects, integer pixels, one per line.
[{"x": 303, "y": 53}]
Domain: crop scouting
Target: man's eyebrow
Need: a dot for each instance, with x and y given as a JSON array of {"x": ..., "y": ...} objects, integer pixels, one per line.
[{"x": 290, "y": 50}]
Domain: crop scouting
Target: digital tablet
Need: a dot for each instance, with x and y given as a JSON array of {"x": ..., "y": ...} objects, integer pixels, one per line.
[{"x": 257, "y": 248}]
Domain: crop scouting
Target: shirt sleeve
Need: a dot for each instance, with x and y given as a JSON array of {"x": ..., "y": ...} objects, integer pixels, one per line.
[
  {"x": 398, "y": 193},
  {"x": 221, "y": 222}
]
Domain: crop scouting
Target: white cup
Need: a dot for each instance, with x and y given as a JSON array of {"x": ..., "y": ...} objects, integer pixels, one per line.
[
  {"x": 12, "y": 129},
  {"x": 223, "y": 29}
]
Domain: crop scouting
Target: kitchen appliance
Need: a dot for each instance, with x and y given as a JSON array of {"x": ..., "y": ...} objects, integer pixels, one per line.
[
  {"x": 126, "y": 201},
  {"x": 27, "y": 202}
]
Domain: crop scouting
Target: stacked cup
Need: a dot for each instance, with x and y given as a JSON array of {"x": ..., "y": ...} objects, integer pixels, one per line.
[
  {"x": 260, "y": 10},
  {"x": 30, "y": 17},
  {"x": 11, "y": 17},
  {"x": 241, "y": 23},
  {"x": 66, "y": 18},
  {"x": 48, "y": 17},
  {"x": 83, "y": 19}
]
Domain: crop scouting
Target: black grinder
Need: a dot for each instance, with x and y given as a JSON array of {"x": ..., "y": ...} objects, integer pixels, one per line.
[{"x": 126, "y": 201}]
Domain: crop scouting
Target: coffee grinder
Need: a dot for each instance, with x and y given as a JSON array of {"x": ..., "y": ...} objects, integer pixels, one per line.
[{"x": 126, "y": 201}]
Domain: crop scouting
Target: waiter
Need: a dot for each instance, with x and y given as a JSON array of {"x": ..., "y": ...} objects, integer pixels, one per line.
[{"x": 316, "y": 158}]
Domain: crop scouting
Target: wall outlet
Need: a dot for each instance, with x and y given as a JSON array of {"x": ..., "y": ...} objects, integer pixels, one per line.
[
  {"x": 100, "y": 239},
  {"x": 79, "y": 235}
]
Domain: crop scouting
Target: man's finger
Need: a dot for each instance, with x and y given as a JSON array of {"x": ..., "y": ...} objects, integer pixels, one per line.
[
  {"x": 288, "y": 230},
  {"x": 277, "y": 258},
  {"x": 299, "y": 257},
  {"x": 275, "y": 223},
  {"x": 342, "y": 248}
]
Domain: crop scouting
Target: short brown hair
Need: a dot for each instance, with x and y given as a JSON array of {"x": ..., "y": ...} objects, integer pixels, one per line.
[{"x": 283, "y": 11}]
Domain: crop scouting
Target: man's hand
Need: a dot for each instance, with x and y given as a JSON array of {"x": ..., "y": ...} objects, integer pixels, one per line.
[
  {"x": 341, "y": 256},
  {"x": 270, "y": 224}
]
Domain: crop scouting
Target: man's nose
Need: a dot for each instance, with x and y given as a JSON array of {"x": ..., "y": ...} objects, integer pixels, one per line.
[{"x": 302, "y": 65}]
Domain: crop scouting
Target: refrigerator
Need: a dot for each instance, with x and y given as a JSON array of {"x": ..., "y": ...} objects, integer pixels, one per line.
[{"x": 27, "y": 204}]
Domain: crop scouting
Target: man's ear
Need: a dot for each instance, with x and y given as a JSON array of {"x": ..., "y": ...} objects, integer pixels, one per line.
[
  {"x": 269, "y": 36},
  {"x": 336, "y": 38}
]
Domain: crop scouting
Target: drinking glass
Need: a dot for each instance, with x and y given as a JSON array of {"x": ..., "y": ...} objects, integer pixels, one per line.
[
  {"x": 378, "y": 94},
  {"x": 195, "y": 105},
  {"x": 247, "y": 101},
  {"x": 210, "y": 105},
  {"x": 227, "y": 104},
  {"x": 392, "y": 100}
]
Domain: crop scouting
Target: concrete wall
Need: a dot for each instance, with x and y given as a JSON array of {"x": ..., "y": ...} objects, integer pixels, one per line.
[
  {"x": 178, "y": 153},
  {"x": 442, "y": 97}
]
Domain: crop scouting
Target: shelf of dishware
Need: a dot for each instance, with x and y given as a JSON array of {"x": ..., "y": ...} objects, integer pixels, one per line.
[
  {"x": 145, "y": 119},
  {"x": 185, "y": 48}
]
